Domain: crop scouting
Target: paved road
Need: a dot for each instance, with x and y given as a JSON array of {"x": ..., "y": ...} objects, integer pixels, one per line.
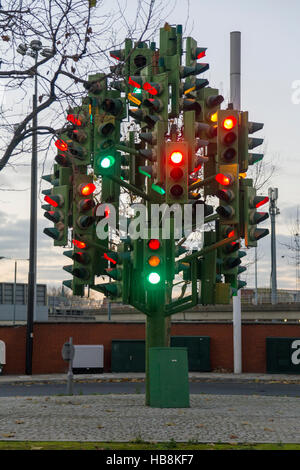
[{"x": 96, "y": 387}]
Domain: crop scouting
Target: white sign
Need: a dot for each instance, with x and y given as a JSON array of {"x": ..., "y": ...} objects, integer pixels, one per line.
[{"x": 296, "y": 354}]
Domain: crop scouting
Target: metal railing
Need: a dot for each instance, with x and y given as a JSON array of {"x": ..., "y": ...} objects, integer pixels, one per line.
[{"x": 72, "y": 305}]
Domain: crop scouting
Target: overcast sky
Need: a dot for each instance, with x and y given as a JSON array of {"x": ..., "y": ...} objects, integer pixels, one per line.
[{"x": 270, "y": 83}]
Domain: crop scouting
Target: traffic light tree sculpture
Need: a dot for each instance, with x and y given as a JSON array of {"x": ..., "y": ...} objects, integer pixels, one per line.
[{"x": 180, "y": 149}]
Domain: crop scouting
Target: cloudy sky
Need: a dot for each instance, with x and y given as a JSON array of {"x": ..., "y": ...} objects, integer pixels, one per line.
[{"x": 270, "y": 92}]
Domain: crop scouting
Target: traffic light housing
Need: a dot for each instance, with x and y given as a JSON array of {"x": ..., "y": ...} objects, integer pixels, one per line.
[
  {"x": 227, "y": 138},
  {"x": 228, "y": 194},
  {"x": 83, "y": 237},
  {"x": 250, "y": 217},
  {"x": 120, "y": 271},
  {"x": 227, "y": 165},
  {"x": 206, "y": 127},
  {"x": 176, "y": 172},
  {"x": 154, "y": 269},
  {"x": 58, "y": 205},
  {"x": 75, "y": 143},
  {"x": 247, "y": 143}
]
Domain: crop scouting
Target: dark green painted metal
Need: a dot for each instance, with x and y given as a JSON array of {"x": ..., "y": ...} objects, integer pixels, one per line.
[
  {"x": 128, "y": 355},
  {"x": 168, "y": 378},
  {"x": 198, "y": 349}
]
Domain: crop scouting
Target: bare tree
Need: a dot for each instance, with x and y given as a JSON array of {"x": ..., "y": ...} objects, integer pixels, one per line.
[{"x": 78, "y": 35}]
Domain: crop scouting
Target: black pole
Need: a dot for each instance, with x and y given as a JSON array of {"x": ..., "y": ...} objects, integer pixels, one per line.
[{"x": 31, "y": 295}]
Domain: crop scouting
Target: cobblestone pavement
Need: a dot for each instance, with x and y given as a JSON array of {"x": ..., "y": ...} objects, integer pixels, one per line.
[{"x": 210, "y": 418}]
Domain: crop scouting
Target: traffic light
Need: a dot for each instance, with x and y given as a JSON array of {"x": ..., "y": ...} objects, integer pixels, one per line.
[
  {"x": 141, "y": 57},
  {"x": 84, "y": 203},
  {"x": 155, "y": 103},
  {"x": 227, "y": 164},
  {"x": 75, "y": 144},
  {"x": 229, "y": 256},
  {"x": 120, "y": 271},
  {"x": 157, "y": 96},
  {"x": 83, "y": 254},
  {"x": 133, "y": 58},
  {"x": 154, "y": 263},
  {"x": 107, "y": 160},
  {"x": 176, "y": 172},
  {"x": 206, "y": 128},
  {"x": 228, "y": 194},
  {"x": 152, "y": 100},
  {"x": 106, "y": 136},
  {"x": 227, "y": 136},
  {"x": 57, "y": 205},
  {"x": 247, "y": 143},
  {"x": 250, "y": 218}
]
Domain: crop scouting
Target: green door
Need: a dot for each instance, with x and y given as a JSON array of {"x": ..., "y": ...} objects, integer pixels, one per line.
[
  {"x": 128, "y": 355},
  {"x": 283, "y": 355},
  {"x": 198, "y": 348}
]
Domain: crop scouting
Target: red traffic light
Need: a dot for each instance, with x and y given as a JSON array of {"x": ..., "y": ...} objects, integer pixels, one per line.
[
  {"x": 228, "y": 232},
  {"x": 176, "y": 157},
  {"x": 225, "y": 180},
  {"x": 61, "y": 145},
  {"x": 79, "y": 244},
  {"x": 87, "y": 189},
  {"x": 229, "y": 123},
  {"x": 154, "y": 244},
  {"x": 74, "y": 120}
]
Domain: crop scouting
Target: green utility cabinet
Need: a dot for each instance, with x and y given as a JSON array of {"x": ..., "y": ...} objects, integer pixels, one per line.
[
  {"x": 168, "y": 378},
  {"x": 198, "y": 348},
  {"x": 128, "y": 355},
  {"x": 283, "y": 355}
]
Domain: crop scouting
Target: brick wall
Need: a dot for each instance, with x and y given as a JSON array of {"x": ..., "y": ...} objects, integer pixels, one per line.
[{"x": 50, "y": 337}]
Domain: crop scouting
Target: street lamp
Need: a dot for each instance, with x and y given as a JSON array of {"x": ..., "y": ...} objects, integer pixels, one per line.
[
  {"x": 33, "y": 50},
  {"x": 15, "y": 281},
  {"x": 273, "y": 210}
]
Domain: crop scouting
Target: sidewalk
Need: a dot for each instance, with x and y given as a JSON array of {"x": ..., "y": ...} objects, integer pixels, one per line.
[
  {"x": 124, "y": 417},
  {"x": 140, "y": 376}
]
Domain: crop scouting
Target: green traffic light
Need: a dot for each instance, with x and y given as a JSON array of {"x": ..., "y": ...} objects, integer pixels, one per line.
[
  {"x": 153, "y": 278},
  {"x": 107, "y": 162}
]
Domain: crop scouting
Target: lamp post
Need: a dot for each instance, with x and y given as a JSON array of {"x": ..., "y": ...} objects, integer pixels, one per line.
[
  {"x": 32, "y": 50},
  {"x": 15, "y": 282},
  {"x": 273, "y": 210}
]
